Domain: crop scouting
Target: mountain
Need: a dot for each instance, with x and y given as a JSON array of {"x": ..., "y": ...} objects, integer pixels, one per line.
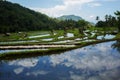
[
  {"x": 14, "y": 18},
  {"x": 69, "y": 17}
]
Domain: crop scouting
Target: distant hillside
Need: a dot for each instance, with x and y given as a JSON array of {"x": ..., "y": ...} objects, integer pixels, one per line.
[
  {"x": 69, "y": 17},
  {"x": 14, "y": 17}
]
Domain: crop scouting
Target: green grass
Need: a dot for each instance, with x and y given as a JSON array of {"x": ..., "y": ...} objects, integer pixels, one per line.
[{"x": 118, "y": 35}]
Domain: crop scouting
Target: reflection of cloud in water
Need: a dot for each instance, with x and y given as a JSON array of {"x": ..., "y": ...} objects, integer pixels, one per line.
[
  {"x": 18, "y": 70},
  {"x": 110, "y": 75},
  {"x": 107, "y": 75},
  {"x": 36, "y": 73},
  {"x": 25, "y": 63},
  {"x": 91, "y": 58},
  {"x": 77, "y": 77},
  {"x": 95, "y": 62}
]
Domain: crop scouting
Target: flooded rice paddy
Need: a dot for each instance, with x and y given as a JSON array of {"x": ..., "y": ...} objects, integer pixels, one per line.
[{"x": 95, "y": 62}]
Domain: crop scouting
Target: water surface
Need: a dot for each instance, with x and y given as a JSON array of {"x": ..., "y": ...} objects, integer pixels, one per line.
[
  {"x": 70, "y": 35},
  {"x": 37, "y": 36},
  {"x": 19, "y": 50},
  {"x": 15, "y": 42},
  {"x": 94, "y": 62},
  {"x": 107, "y": 36}
]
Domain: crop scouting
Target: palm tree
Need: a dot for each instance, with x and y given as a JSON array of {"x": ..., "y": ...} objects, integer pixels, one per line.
[
  {"x": 106, "y": 18},
  {"x": 113, "y": 21},
  {"x": 109, "y": 20},
  {"x": 117, "y": 13},
  {"x": 97, "y": 18}
]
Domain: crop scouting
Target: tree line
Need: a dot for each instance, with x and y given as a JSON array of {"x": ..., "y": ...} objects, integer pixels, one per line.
[{"x": 110, "y": 21}]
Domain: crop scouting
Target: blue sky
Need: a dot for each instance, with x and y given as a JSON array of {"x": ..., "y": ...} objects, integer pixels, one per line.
[{"x": 87, "y": 9}]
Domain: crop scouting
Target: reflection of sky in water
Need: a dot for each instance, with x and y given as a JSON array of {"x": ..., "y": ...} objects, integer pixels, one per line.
[
  {"x": 65, "y": 41},
  {"x": 49, "y": 39},
  {"x": 108, "y": 36},
  {"x": 70, "y": 35},
  {"x": 39, "y": 36},
  {"x": 13, "y": 42},
  {"x": 60, "y": 37},
  {"x": 95, "y": 62},
  {"x": 20, "y": 50}
]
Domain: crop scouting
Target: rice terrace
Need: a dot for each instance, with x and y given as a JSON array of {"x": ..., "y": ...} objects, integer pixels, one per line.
[{"x": 60, "y": 40}]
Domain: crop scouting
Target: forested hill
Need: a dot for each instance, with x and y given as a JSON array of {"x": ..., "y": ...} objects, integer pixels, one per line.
[
  {"x": 70, "y": 17},
  {"x": 14, "y": 18}
]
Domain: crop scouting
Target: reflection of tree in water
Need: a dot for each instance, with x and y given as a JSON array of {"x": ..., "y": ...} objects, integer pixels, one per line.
[
  {"x": 1, "y": 65},
  {"x": 33, "y": 61},
  {"x": 116, "y": 45}
]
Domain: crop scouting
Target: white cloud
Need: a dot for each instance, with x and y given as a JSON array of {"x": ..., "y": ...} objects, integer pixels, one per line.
[
  {"x": 95, "y": 4},
  {"x": 109, "y": 0},
  {"x": 68, "y": 7},
  {"x": 92, "y": 17},
  {"x": 76, "y": 7}
]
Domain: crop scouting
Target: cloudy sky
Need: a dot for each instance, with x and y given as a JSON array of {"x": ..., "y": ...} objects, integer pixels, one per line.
[{"x": 87, "y": 9}]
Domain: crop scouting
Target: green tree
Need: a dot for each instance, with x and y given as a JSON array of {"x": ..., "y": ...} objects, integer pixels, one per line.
[
  {"x": 117, "y": 13},
  {"x": 106, "y": 18},
  {"x": 82, "y": 23},
  {"x": 15, "y": 18},
  {"x": 114, "y": 22},
  {"x": 100, "y": 24},
  {"x": 97, "y": 18}
]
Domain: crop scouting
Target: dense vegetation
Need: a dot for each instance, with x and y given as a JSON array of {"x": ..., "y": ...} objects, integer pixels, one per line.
[
  {"x": 110, "y": 21},
  {"x": 15, "y": 18}
]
